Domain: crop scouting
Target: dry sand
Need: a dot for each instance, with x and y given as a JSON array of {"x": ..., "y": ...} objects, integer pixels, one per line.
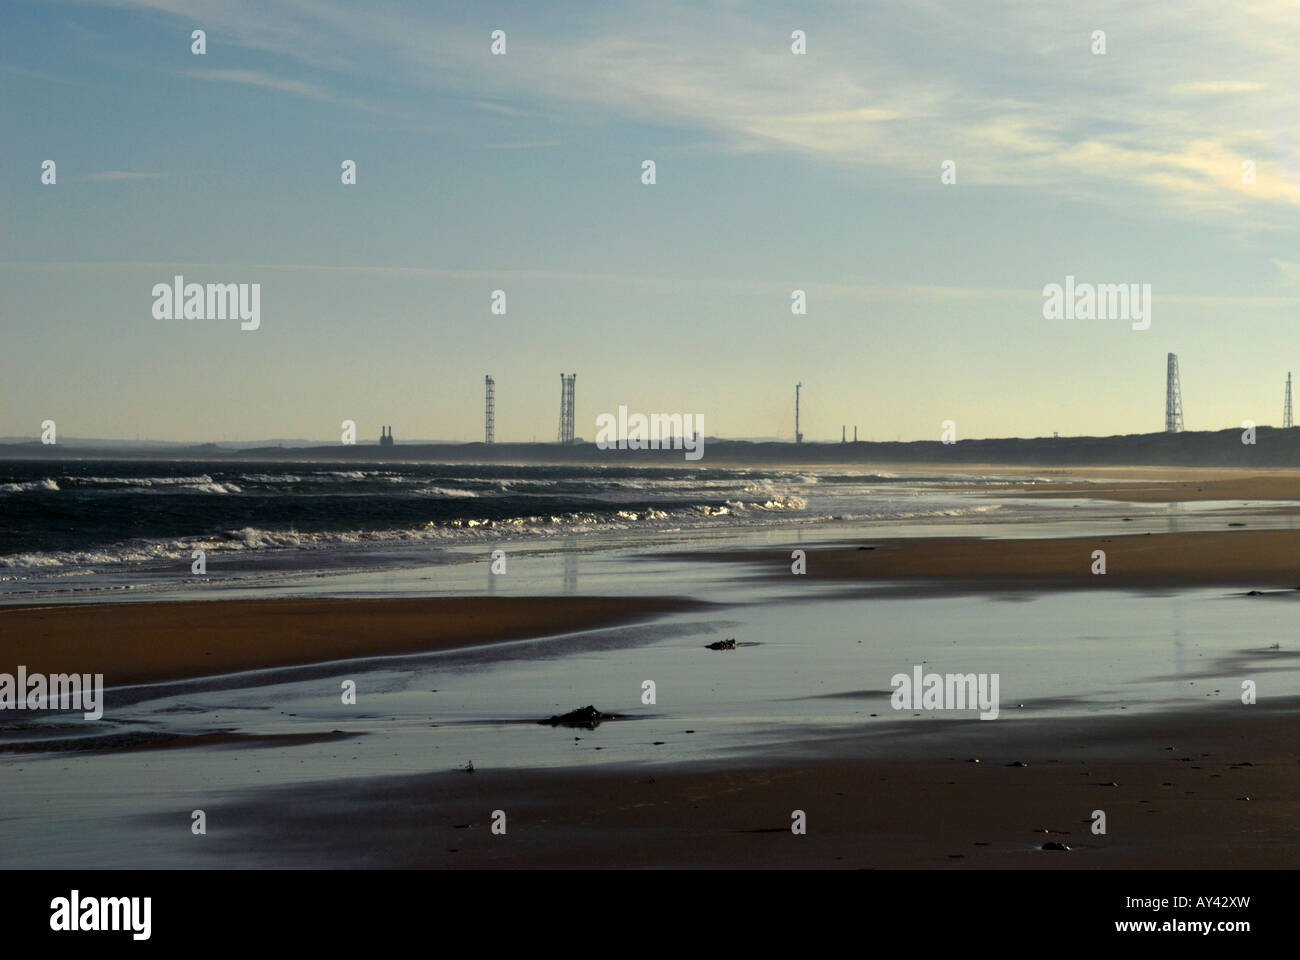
[{"x": 143, "y": 642}]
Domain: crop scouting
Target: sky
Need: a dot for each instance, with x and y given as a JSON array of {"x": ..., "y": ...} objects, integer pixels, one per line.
[{"x": 522, "y": 172}]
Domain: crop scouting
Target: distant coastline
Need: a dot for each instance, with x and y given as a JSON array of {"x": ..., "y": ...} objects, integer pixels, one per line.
[{"x": 1274, "y": 447}]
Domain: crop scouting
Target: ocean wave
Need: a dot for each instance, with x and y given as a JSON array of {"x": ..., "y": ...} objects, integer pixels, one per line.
[
  {"x": 197, "y": 484},
  {"x": 45, "y": 484},
  {"x": 587, "y": 483},
  {"x": 446, "y": 492},
  {"x": 387, "y": 476},
  {"x": 774, "y": 504},
  {"x": 254, "y": 510},
  {"x": 450, "y": 532},
  {"x": 78, "y": 481},
  {"x": 270, "y": 479},
  {"x": 212, "y": 487}
]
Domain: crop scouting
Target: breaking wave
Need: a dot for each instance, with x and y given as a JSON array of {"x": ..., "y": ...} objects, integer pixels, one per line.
[{"x": 78, "y": 518}]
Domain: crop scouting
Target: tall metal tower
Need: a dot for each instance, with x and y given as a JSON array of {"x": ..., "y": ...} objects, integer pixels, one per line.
[
  {"x": 490, "y": 427},
  {"x": 798, "y": 437},
  {"x": 1173, "y": 398},
  {"x": 1287, "y": 421},
  {"x": 566, "y": 407}
]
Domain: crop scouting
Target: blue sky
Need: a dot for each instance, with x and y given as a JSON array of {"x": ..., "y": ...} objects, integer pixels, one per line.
[{"x": 521, "y": 172}]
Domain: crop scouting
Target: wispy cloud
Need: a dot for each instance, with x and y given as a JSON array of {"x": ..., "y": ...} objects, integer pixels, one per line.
[
  {"x": 1011, "y": 92},
  {"x": 529, "y": 145},
  {"x": 1219, "y": 86},
  {"x": 298, "y": 88},
  {"x": 115, "y": 176},
  {"x": 256, "y": 78},
  {"x": 1289, "y": 273},
  {"x": 735, "y": 286}
]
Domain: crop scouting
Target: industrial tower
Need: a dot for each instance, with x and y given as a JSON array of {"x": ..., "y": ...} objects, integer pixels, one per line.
[
  {"x": 490, "y": 427},
  {"x": 566, "y": 407},
  {"x": 1287, "y": 421},
  {"x": 1173, "y": 398},
  {"x": 798, "y": 437}
]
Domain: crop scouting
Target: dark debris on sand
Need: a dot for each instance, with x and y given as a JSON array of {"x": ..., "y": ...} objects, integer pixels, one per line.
[{"x": 587, "y": 716}]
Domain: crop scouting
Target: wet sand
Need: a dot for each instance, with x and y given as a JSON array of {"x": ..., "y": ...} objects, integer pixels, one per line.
[
  {"x": 929, "y": 807},
  {"x": 1168, "y": 486},
  {"x": 145, "y": 642},
  {"x": 1263, "y": 559}
]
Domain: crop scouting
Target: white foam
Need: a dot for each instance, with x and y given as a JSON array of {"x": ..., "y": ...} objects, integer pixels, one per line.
[{"x": 46, "y": 484}]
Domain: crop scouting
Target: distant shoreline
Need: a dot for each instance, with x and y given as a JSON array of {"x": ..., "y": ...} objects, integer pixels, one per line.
[{"x": 1274, "y": 447}]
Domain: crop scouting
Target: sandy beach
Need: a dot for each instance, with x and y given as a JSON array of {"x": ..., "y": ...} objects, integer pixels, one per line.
[
  {"x": 1131, "y": 709},
  {"x": 1263, "y": 559},
  {"x": 147, "y": 642},
  {"x": 1169, "y": 485},
  {"x": 1178, "y": 791}
]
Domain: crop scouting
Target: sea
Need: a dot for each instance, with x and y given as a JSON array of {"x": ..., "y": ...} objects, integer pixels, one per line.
[{"x": 74, "y": 528}]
